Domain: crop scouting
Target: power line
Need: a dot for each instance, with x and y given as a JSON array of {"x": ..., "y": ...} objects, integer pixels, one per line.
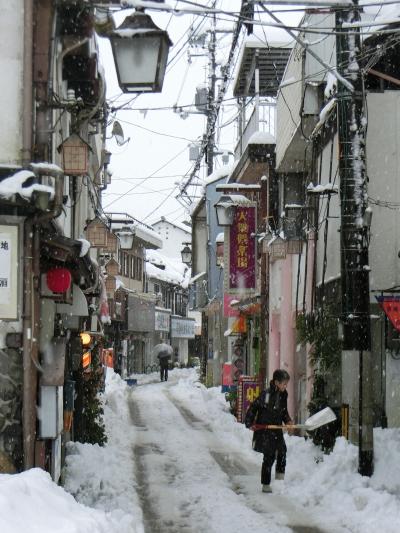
[
  {"x": 156, "y": 132},
  {"x": 138, "y": 184}
]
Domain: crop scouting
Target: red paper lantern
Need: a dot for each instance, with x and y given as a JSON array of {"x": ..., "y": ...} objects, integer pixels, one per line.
[{"x": 58, "y": 279}]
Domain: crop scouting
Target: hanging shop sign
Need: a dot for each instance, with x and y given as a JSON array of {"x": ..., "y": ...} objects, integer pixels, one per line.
[
  {"x": 249, "y": 388},
  {"x": 141, "y": 313},
  {"x": 163, "y": 320},
  {"x": 9, "y": 271},
  {"x": 75, "y": 155},
  {"x": 241, "y": 252},
  {"x": 107, "y": 357},
  {"x": 182, "y": 328},
  {"x": 391, "y": 307}
]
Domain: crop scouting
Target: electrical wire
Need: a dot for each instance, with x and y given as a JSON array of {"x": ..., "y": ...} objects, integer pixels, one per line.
[
  {"x": 146, "y": 178},
  {"x": 156, "y": 132}
]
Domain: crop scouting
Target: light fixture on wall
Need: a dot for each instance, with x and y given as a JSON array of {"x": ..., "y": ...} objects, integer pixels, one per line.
[
  {"x": 126, "y": 236},
  {"x": 225, "y": 211},
  {"x": 140, "y": 50},
  {"x": 186, "y": 254}
]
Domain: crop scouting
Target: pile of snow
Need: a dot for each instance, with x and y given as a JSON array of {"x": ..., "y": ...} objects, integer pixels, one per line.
[
  {"x": 16, "y": 184},
  {"x": 326, "y": 488}
]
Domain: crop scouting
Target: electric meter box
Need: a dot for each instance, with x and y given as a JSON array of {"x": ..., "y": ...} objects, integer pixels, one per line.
[{"x": 50, "y": 412}]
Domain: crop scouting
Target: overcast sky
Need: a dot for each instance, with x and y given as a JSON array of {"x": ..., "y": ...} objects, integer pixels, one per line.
[{"x": 147, "y": 169}]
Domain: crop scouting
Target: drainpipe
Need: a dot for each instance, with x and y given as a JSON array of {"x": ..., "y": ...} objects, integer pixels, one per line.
[
  {"x": 31, "y": 317},
  {"x": 28, "y": 427},
  {"x": 27, "y": 77}
]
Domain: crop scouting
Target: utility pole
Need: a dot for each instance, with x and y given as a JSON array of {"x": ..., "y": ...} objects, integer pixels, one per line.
[
  {"x": 354, "y": 230},
  {"x": 211, "y": 98}
]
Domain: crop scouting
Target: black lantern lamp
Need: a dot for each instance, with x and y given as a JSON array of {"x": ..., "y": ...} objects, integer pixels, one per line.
[
  {"x": 186, "y": 254},
  {"x": 140, "y": 51},
  {"x": 225, "y": 211}
]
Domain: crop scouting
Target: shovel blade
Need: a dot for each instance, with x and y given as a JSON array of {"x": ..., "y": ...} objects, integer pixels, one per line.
[{"x": 325, "y": 416}]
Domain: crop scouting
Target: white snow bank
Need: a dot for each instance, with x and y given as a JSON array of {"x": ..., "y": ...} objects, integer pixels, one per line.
[{"x": 32, "y": 502}]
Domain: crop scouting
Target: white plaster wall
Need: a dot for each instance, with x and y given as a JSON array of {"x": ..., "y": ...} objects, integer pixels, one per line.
[
  {"x": 383, "y": 166},
  {"x": 172, "y": 237},
  {"x": 295, "y": 264},
  {"x": 11, "y": 88},
  {"x": 289, "y": 98}
]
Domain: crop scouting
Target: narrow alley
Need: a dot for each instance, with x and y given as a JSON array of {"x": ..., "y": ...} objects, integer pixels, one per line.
[{"x": 189, "y": 470}]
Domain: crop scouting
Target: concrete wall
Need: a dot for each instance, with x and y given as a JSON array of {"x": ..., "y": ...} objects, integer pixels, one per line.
[{"x": 11, "y": 83}]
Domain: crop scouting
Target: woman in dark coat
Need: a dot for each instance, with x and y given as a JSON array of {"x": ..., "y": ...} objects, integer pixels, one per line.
[{"x": 271, "y": 408}]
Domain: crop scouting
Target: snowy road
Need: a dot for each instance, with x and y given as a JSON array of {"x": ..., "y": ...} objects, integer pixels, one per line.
[
  {"x": 190, "y": 478},
  {"x": 176, "y": 461}
]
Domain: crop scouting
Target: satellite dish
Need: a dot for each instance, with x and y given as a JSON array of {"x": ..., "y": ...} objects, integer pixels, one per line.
[{"x": 118, "y": 133}]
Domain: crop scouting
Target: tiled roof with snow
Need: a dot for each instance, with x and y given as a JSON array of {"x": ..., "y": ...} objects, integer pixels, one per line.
[{"x": 171, "y": 271}]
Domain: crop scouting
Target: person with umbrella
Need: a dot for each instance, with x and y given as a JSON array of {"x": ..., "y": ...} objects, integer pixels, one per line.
[{"x": 163, "y": 352}]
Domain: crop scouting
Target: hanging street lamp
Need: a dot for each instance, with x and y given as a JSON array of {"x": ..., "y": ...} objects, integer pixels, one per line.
[
  {"x": 186, "y": 254},
  {"x": 140, "y": 50}
]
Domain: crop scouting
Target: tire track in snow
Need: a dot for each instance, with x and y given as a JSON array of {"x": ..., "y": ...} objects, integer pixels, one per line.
[
  {"x": 233, "y": 467},
  {"x": 153, "y": 521}
]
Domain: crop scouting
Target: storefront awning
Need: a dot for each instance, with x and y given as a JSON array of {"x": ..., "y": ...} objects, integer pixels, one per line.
[
  {"x": 238, "y": 327},
  {"x": 56, "y": 249}
]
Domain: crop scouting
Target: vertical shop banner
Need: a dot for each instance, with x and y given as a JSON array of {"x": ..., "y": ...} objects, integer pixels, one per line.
[
  {"x": 242, "y": 252},
  {"x": 249, "y": 389},
  {"x": 9, "y": 269}
]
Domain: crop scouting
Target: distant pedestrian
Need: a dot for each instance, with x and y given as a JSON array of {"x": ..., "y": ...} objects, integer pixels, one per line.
[
  {"x": 271, "y": 408},
  {"x": 163, "y": 352}
]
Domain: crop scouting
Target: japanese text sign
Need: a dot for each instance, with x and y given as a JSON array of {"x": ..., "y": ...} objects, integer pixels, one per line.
[
  {"x": 242, "y": 252},
  {"x": 8, "y": 271}
]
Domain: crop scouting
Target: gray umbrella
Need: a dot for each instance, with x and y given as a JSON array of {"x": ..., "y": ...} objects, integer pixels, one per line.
[{"x": 163, "y": 350}]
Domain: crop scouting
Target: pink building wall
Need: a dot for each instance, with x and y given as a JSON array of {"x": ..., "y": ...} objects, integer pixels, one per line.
[
  {"x": 309, "y": 292},
  {"x": 288, "y": 332},
  {"x": 274, "y": 343},
  {"x": 282, "y": 333}
]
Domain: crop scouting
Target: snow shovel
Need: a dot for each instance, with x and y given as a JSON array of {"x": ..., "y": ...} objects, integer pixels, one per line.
[{"x": 314, "y": 422}]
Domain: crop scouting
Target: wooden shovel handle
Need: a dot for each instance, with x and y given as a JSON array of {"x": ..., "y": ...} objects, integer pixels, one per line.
[{"x": 257, "y": 427}]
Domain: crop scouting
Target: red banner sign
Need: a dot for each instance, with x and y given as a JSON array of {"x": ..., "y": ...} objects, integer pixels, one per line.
[
  {"x": 242, "y": 272},
  {"x": 391, "y": 307}
]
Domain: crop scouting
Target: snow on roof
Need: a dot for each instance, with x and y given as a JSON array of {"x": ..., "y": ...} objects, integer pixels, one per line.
[
  {"x": 85, "y": 246},
  {"x": 262, "y": 137},
  {"x": 321, "y": 189},
  {"x": 179, "y": 225},
  {"x": 46, "y": 167},
  {"x": 238, "y": 186},
  {"x": 197, "y": 276},
  {"x": 220, "y": 173},
  {"x": 173, "y": 271},
  {"x": 142, "y": 231},
  {"x": 146, "y": 3},
  {"x": 195, "y": 205},
  {"x": 220, "y": 237},
  {"x": 234, "y": 199},
  {"x": 15, "y": 184}
]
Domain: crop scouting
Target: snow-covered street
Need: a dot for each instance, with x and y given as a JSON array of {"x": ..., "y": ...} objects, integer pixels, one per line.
[{"x": 177, "y": 461}]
